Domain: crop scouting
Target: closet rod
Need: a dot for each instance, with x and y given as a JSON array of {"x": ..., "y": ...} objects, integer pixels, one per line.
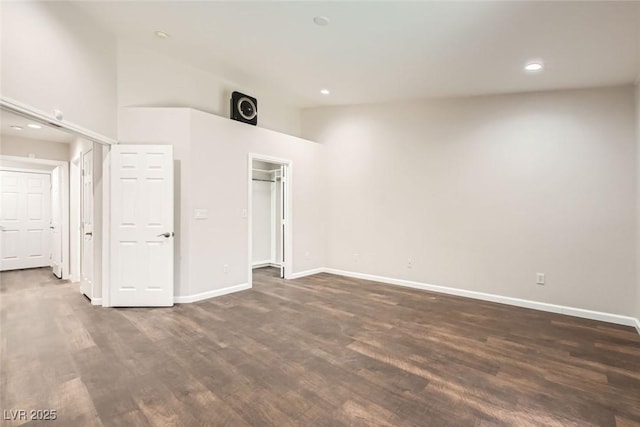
[
  {"x": 264, "y": 180},
  {"x": 265, "y": 170}
]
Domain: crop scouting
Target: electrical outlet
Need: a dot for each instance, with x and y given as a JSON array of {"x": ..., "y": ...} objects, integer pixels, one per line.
[
  {"x": 356, "y": 256},
  {"x": 225, "y": 268},
  {"x": 201, "y": 214},
  {"x": 540, "y": 278},
  {"x": 307, "y": 255},
  {"x": 410, "y": 263}
]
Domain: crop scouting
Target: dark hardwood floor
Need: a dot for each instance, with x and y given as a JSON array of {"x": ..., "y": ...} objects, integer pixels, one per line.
[{"x": 318, "y": 351}]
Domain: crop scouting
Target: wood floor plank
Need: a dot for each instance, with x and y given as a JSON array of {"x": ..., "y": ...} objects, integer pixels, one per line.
[{"x": 318, "y": 351}]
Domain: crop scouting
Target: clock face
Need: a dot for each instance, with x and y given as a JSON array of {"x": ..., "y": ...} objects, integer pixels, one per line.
[
  {"x": 247, "y": 108},
  {"x": 243, "y": 108}
]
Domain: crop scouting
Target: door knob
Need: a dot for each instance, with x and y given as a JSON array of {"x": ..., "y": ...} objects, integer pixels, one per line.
[
  {"x": 88, "y": 234},
  {"x": 167, "y": 234}
]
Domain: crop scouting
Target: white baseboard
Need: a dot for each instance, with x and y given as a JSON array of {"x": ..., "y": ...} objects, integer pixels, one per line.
[
  {"x": 260, "y": 264},
  {"x": 307, "y": 273},
  {"x": 553, "y": 308},
  {"x": 210, "y": 294},
  {"x": 96, "y": 301}
]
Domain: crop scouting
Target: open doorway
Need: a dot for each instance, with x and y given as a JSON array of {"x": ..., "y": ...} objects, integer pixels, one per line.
[
  {"x": 269, "y": 216},
  {"x": 40, "y": 189}
]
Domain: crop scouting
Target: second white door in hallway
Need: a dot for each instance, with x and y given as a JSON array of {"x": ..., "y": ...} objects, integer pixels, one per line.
[{"x": 25, "y": 218}]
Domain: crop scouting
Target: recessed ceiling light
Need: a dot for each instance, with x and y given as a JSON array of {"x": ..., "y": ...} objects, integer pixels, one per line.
[
  {"x": 162, "y": 34},
  {"x": 534, "y": 66},
  {"x": 16, "y": 127},
  {"x": 34, "y": 126},
  {"x": 325, "y": 91},
  {"x": 323, "y": 21}
]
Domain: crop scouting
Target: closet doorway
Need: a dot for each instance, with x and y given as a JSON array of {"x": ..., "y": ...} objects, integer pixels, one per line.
[{"x": 269, "y": 208}]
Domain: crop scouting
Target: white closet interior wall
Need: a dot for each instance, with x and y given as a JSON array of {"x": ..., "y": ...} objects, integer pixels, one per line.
[{"x": 266, "y": 211}]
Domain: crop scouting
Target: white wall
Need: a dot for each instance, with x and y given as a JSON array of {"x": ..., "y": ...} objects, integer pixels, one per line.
[
  {"x": 146, "y": 78},
  {"x": 262, "y": 221},
  {"x": 219, "y": 149},
  {"x": 23, "y": 147},
  {"x": 211, "y": 157},
  {"x": 482, "y": 193},
  {"x": 56, "y": 58}
]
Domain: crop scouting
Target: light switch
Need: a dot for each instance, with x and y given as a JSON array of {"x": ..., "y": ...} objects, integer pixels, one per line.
[{"x": 202, "y": 214}]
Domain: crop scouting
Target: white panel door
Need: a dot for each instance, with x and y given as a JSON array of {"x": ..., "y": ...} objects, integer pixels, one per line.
[
  {"x": 141, "y": 225},
  {"x": 86, "y": 220},
  {"x": 56, "y": 223},
  {"x": 25, "y": 215}
]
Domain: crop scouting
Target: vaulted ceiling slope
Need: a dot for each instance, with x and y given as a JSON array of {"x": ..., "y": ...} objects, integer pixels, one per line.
[{"x": 383, "y": 51}]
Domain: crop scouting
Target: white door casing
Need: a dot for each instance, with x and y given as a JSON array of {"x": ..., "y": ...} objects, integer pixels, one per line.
[
  {"x": 283, "y": 197},
  {"x": 284, "y": 242},
  {"x": 277, "y": 219},
  {"x": 86, "y": 220},
  {"x": 56, "y": 222},
  {"x": 141, "y": 226},
  {"x": 25, "y": 215}
]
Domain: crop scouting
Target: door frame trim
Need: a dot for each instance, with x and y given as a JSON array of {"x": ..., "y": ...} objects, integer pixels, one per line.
[
  {"x": 288, "y": 248},
  {"x": 25, "y": 170},
  {"x": 40, "y": 116},
  {"x": 106, "y": 225},
  {"x": 64, "y": 192}
]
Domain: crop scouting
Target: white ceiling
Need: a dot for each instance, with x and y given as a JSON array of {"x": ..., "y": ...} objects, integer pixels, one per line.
[
  {"x": 47, "y": 133},
  {"x": 381, "y": 51}
]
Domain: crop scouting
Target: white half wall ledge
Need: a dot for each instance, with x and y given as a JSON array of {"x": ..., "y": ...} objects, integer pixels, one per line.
[
  {"x": 181, "y": 299},
  {"x": 535, "y": 305}
]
